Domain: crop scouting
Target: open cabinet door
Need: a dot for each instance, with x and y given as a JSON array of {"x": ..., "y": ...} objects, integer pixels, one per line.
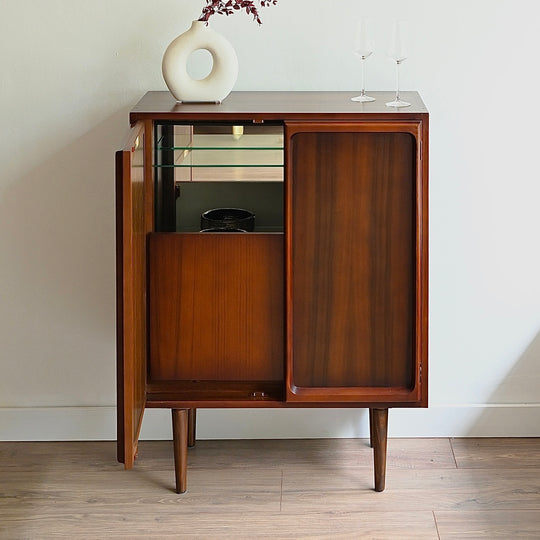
[{"x": 133, "y": 221}]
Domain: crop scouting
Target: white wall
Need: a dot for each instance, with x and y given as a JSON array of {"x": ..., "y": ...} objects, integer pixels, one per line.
[{"x": 72, "y": 69}]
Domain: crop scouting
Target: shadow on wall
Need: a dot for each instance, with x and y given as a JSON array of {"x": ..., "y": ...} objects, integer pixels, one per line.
[
  {"x": 58, "y": 271},
  {"x": 515, "y": 410}
]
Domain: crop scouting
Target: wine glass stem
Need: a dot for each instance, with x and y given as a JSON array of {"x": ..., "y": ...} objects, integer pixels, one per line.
[
  {"x": 363, "y": 93},
  {"x": 397, "y": 80}
]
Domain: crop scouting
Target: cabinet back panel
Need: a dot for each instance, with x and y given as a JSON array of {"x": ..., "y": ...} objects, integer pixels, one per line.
[
  {"x": 216, "y": 307},
  {"x": 264, "y": 199},
  {"x": 353, "y": 249}
]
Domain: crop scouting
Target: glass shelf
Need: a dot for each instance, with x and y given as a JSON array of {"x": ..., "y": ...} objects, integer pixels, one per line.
[
  {"x": 224, "y": 153},
  {"x": 227, "y": 141}
]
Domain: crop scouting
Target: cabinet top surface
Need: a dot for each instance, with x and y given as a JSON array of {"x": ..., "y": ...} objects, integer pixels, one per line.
[{"x": 278, "y": 106}]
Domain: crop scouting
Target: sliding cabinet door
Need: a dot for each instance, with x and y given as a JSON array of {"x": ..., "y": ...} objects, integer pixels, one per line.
[{"x": 355, "y": 304}]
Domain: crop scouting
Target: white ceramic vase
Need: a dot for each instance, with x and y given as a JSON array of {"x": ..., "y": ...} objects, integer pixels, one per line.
[{"x": 217, "y": 85}]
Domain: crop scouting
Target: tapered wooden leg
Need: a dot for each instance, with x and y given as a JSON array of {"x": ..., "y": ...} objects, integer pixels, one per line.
[
  {"x": 180, "y": 438},
  {"x": 192, "y": 427},
  {"x": 371, "y": 428},
  {"x": 380, "y": 429}
]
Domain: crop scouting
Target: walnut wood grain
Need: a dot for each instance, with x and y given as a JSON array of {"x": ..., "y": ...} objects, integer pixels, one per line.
[
  {"x": 352, "y": 258},
  {"x": 277, "y": 106},
  {"x": 132, "y": 224},
  {"x": 371, "y": 436},
  {"x": 379, "y": 420},
  {"x": 216, "y": 307},
  {"x": 180, "y": 439},
  {"x": 422, "y": 262},
  {"x": 220, "y": 393},
  {"x": 192, "y": 427}
]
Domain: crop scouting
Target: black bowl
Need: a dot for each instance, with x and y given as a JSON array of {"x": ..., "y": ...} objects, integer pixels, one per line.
[
  {"x": 221, "y": 229},
  {"x": 228, "y": 218}
]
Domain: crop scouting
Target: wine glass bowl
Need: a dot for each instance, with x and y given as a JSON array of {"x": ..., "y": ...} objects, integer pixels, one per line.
[
  {"x": 363, "y": 49},
  {"x": 398, "y": 52}
]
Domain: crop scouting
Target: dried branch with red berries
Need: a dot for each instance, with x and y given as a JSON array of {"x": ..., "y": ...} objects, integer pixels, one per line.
[{"x": 228, "y": 7}]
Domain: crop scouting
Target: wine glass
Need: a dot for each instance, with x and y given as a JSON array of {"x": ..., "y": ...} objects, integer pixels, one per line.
[
  {"x": 398, "y": 52},
  {"x": 363, "y": 48}
]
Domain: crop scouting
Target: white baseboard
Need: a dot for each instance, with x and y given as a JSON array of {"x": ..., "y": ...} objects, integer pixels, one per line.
[{"x": 99, "y": 423}]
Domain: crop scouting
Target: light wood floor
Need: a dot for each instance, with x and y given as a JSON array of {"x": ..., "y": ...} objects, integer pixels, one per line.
[{"x": 435, "y": 488}]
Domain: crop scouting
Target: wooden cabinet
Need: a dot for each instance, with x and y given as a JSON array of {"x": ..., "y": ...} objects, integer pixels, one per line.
[{"x": 324, "y": 304}]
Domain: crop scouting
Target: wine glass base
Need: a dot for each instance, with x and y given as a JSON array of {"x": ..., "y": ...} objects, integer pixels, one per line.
[
  {"x": 363, "y": 98},
  {"x": 398, "y": 103}
]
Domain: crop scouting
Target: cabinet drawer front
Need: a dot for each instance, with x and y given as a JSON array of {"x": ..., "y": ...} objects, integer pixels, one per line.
[
  {"x": 216, "y": 307},
  {"x": 352, "y": 249}
]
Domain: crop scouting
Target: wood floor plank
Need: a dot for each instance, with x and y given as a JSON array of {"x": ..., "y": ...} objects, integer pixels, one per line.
[
  {"x": 315, "y": 489},
  {"x": 28, "y": 456},
  {"x": 420, "y": 454},
  {"x": 208, "y": 491},
  {"x": 285, "y": 454},
  {"x": 281, "y": 453},
  {"x": 489, "y": 524},
  {"x": 494, "y": 453},
  {"x": 121, "y": 523},
  {"x": 272, "y": 489}
]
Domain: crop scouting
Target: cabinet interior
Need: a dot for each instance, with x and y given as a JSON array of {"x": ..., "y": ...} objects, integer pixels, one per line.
[
  {"x": 216, "y": 300},
  {"x": 200, "y": 167}
]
